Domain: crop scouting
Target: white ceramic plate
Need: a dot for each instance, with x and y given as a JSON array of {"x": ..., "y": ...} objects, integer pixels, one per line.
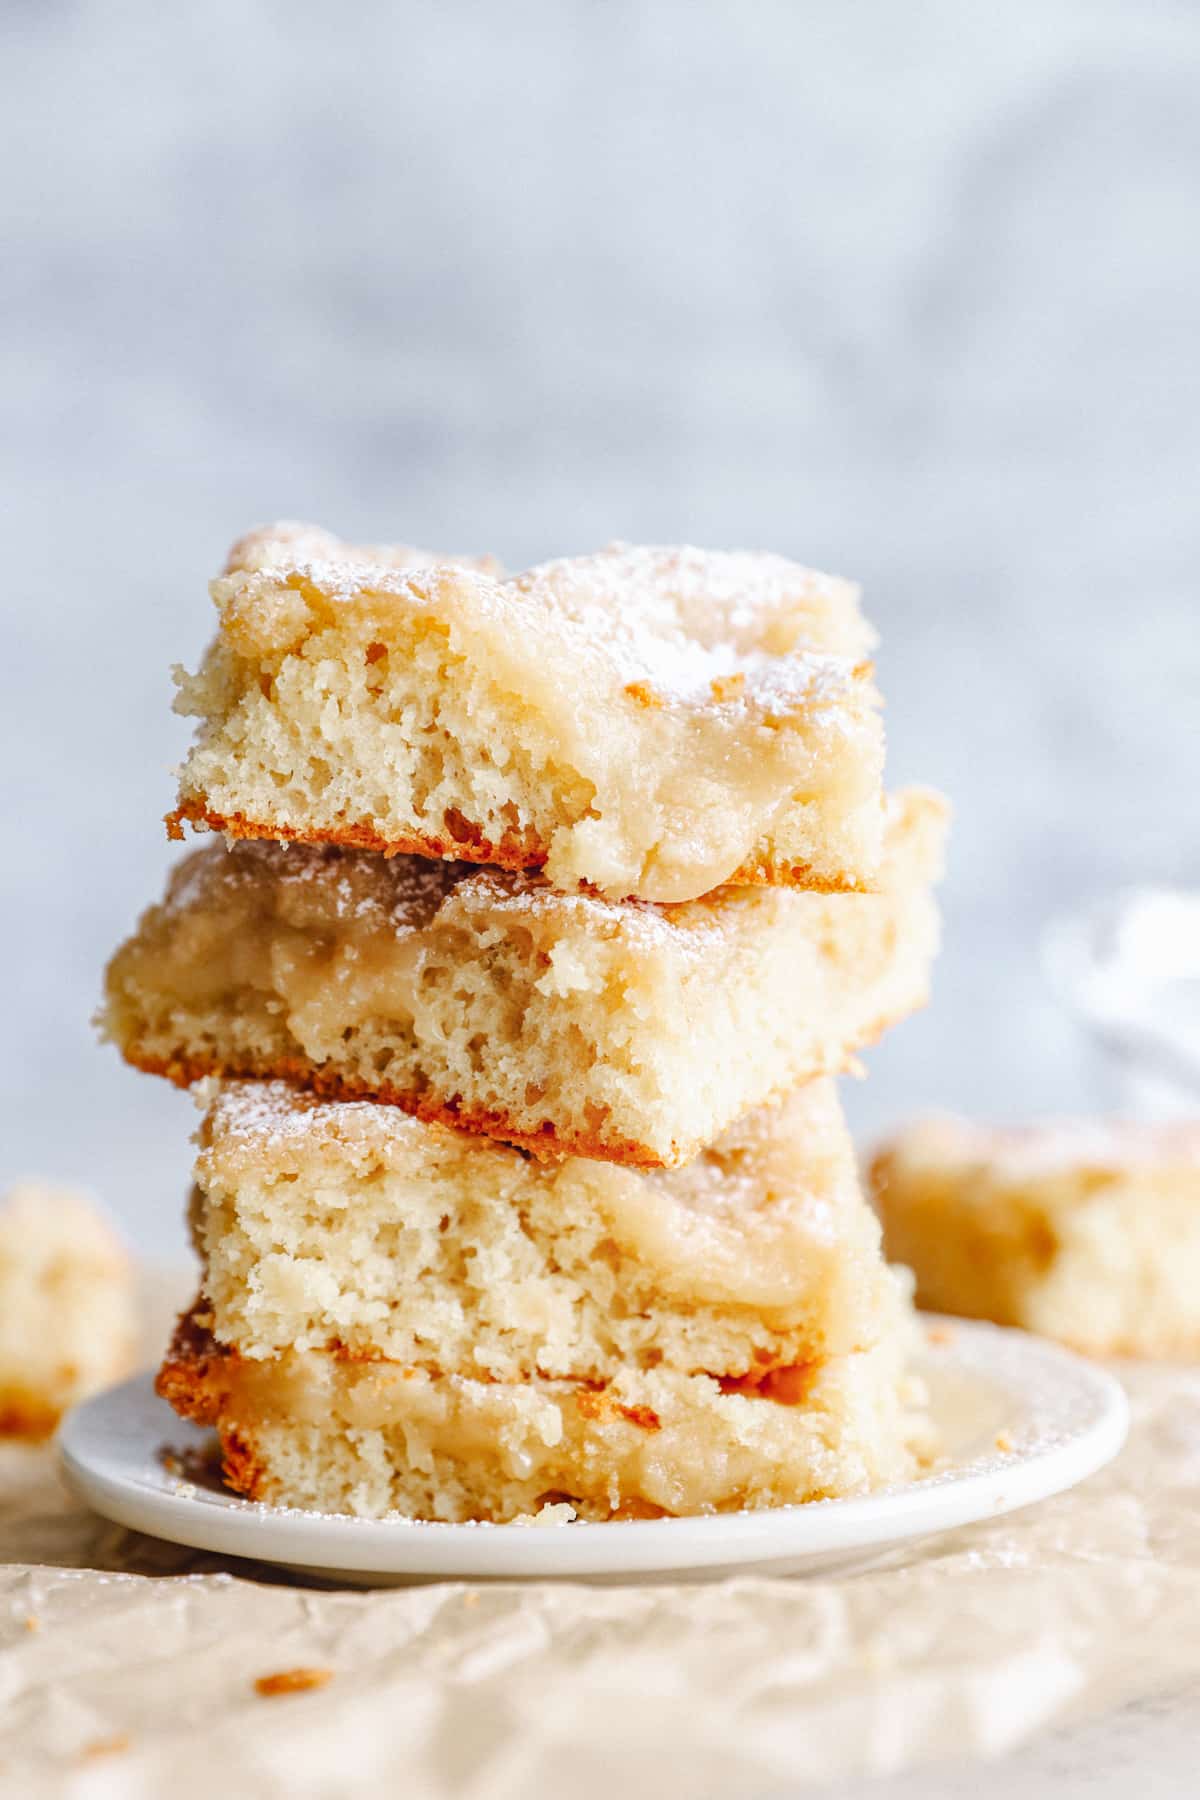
[{"x": 1057, "y": 1417}]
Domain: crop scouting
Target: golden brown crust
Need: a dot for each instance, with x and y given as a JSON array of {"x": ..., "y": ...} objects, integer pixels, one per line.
[
  {"x": 196, "y": 1380},
  {"x": 194, "y": 1377},
  {"x": 918, "y": 810},
  {"x": 787, "y": 1384},
  {"x": 199, "y": 1374},
  {"x": 516, "y": 852},
  {"x": 240, "y": 1466},
  {"x": 546, "y": 1145},
  {"x": 595, "y": 1402},
  {"x": 764, "y": 871}
]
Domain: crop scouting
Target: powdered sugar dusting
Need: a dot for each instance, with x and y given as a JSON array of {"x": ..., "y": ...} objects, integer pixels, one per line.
[
  {"x": 686, "y": 621},
  {"x": 273, "y": 1115},
  {"x": 715, "y": 596},
  {"x": 295, "y": 545},
  {"x": 746, "y": 631}
]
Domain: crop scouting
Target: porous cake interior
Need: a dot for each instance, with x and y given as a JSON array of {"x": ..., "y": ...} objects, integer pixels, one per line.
[
  {"x": 719, "y": 718},
  {"x": 351, "y": 1227},
  {"x": 563, "y": 1023}
]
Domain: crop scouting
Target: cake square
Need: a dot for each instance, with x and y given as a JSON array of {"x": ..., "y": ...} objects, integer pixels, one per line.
[
  {"x": 646, "y": 722},
  {"x": 352, "y": 1227},
  {"x": 398, "y": 1317},
  {"x": 565, "y": 1023},
  {"x": 1084, "y": 1231},
  {"x": 318, "y": 1430}
]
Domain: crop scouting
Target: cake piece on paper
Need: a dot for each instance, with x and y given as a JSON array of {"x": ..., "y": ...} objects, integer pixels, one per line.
[
  {"x": 68, "y": 1315},
  {"x": 646, "y": 722},
  {"x": 396, "y": 1317},
  {"x": 1084, "y": 1231},
  {"x": 564, "y": 1023}
]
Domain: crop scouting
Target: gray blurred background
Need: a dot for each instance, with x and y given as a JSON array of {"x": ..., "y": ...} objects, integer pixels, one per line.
[{"x": 909, "y": 292}]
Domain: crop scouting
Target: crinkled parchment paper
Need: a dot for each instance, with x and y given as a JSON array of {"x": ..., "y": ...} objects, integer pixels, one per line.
[{"x": 127, "y": 1667}]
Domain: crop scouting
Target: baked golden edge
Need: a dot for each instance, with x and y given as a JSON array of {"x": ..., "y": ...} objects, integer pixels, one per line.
[
  {"x": 515, "y": 852},
  {"x": 546, "y": 1145}
]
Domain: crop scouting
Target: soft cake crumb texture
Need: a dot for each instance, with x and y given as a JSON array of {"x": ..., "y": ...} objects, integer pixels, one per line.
[
  {"x": 649, "y": 721},
  {"x": 68, "y": 1322},
  {"x": 1087, "y": 1231},
  {"x": 565, "y": 1023},
  {"x": 352, "y": 1227},
  {"x": 331, "y": 1434}
]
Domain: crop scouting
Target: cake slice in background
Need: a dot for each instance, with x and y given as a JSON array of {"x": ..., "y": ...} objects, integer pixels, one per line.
[
  {"x": 1087, "y": 1231},
  {"x": 68, "y": 1306}
]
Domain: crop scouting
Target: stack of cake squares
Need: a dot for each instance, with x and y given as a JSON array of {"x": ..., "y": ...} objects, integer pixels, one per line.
[{"x": 542, "y": 912}]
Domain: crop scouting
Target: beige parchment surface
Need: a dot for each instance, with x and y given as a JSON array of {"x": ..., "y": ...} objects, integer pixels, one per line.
[{"x": 127, "y": 1667}]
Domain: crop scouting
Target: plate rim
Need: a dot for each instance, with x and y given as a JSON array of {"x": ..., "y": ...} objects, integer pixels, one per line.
[{"x": 331, "y": 1543}]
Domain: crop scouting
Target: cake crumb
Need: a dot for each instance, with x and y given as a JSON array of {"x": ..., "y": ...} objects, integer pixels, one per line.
[
  {"x": 291, "y": 1681},
  {"x": 107, "y": 1746},
  {"x": 32, "y": 1622},
  {"x": 1004, "y": 1442}
]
